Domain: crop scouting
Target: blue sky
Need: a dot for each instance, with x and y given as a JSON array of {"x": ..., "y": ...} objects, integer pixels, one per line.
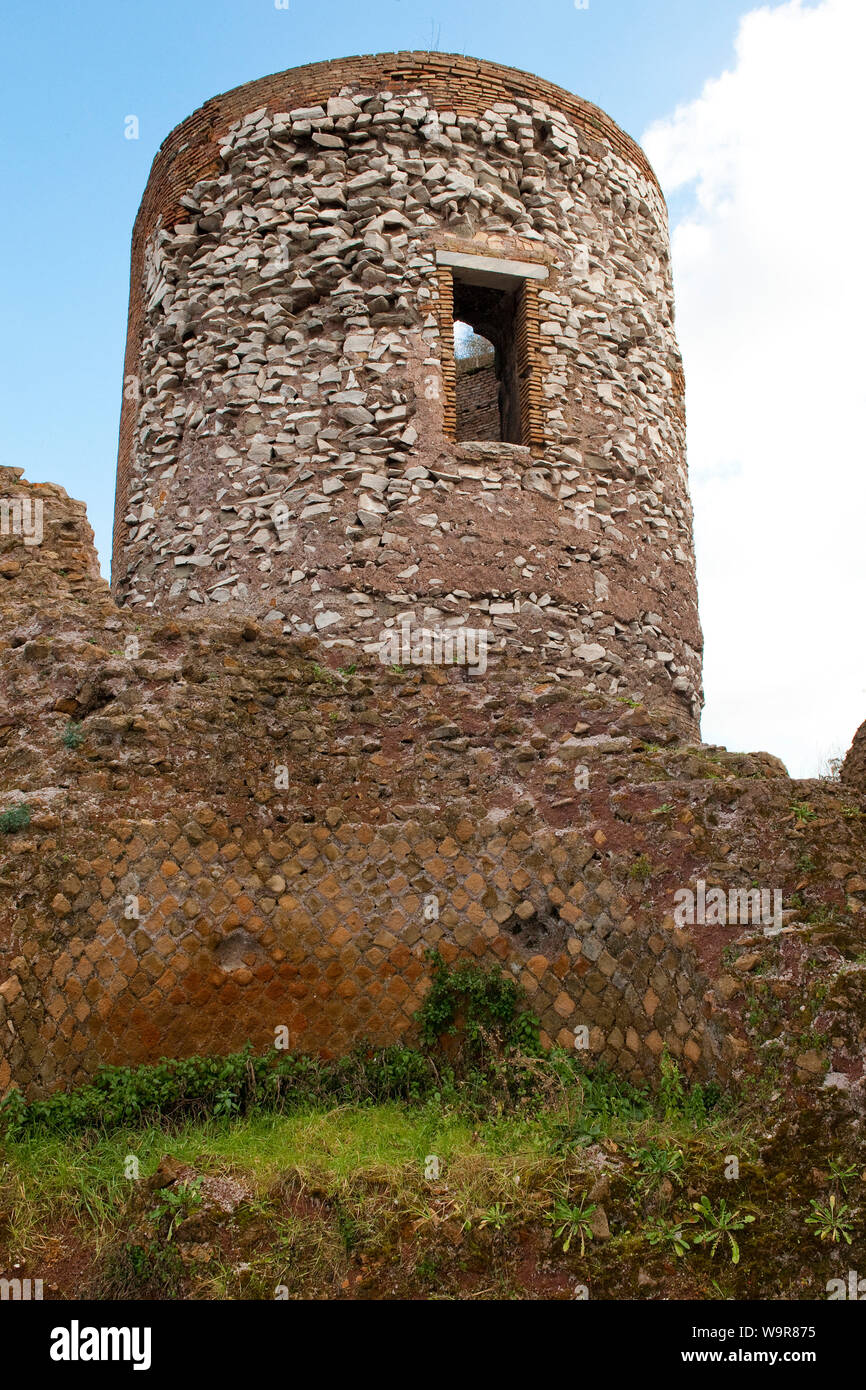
[{"x": 75, "y": 69}]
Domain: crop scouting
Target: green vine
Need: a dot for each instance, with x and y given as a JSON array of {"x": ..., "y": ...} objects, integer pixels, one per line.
[{"x": 482, "y": 1004}]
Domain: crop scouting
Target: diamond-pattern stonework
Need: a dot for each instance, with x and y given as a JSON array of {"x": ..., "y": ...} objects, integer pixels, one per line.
[{"x": 324, "y": 931}]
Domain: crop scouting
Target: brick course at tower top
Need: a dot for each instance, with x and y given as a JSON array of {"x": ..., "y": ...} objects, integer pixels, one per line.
[{"x": 289, "y": 441}]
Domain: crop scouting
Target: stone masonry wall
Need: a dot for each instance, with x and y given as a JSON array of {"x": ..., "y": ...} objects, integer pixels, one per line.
[
  {"x": 323, "y": 931},
  {"x": 284, "y": 441},
  {"x": 221, "y": 813},
  {"x": 226, "y": 834},
  {"x": 167, "y": 896},
  {"x": 853, "y": 770}
]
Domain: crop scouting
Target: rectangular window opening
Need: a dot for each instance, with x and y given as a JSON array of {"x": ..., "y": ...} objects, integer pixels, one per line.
[
  {"x": 485, "y": 340},
  {"x": 489, "y": 323}
]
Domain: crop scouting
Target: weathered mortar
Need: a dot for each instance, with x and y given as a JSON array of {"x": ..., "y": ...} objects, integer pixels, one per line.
[{"x": 287, "y": 439}]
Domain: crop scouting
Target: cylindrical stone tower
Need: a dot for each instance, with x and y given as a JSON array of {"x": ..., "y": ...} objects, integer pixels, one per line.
[{"x": 298, "y": 441}]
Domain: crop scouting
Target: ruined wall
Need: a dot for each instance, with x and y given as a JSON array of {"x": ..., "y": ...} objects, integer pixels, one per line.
[
  {"x": 853, "y": 770},
  {"x": 321, "y": 930},
  {"x": 226, "y": 833},
  {"x": 237, "y": 837},
  {"x": 285, "y": 439}
]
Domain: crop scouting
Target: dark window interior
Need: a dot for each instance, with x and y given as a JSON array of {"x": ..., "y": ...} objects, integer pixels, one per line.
[{"x": 491, "y": 314}]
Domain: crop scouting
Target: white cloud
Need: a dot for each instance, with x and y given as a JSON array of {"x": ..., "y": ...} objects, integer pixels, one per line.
[{"x": 770, "y": 277}]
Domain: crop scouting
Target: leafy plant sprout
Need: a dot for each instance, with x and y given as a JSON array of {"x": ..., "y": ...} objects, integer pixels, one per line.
[
  {"x": 842, "y": 1173},
  {"x": 572, "y": 1221},
  {"x": 661, "y": 1232},
  {"x": 72, "y": 737},
  {"x": 176, "y": 1201},
  {"x": 831, "y": 1219},
  {"x": 718, "y": 1225},
  {"x": 657, "y": 1162},
  {"x": 495, "y": 1216},
  {"x": 16, "y": 818}
]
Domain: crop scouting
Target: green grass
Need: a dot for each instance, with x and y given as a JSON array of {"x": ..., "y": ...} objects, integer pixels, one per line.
[
  {"x": 49, "y": 1181},
  {"x": 338, "y": 1198},
  {"x": 48, "y": 1178},
  {"x": 342, "y": 1142}
]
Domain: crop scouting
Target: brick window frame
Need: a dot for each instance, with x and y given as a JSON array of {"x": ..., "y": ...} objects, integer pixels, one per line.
[{"x": 522, "y": 279}]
